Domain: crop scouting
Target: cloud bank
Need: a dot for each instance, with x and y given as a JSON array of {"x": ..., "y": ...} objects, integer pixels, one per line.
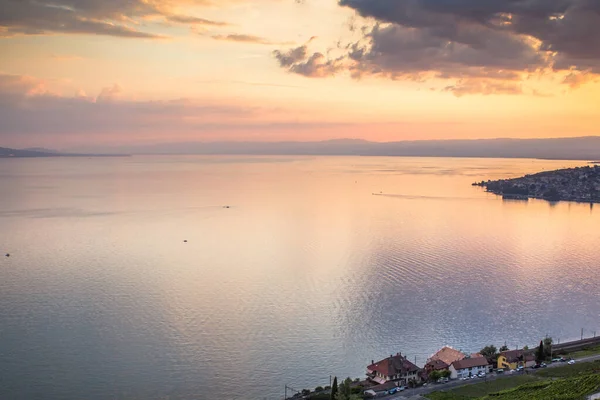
[
  {"x": 477, "y": 46},
  {"x": 28, "y": 108},
  {"x": 120, "y": 18}
]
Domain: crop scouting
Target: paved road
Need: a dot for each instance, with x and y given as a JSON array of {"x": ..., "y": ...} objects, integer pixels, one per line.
[{"x": 408, "y": 393}]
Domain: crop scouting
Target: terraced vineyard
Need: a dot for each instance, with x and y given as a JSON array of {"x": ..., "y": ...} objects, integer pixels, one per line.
[
  {"x": 573, "y": 382},
  {"x": 561, "y": 389}
]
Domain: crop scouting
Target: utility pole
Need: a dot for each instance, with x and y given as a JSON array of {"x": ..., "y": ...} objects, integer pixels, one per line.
[
  {"x": 581, "y": 333},
  {"x": 415, "y": 360}
]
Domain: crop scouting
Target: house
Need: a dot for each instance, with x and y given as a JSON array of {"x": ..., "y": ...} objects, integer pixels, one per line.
[
  {"x": 448, "y": 355},
  {"x": 512, "y": 359},
  {"x": 392, "y": 369},
  {"x": 433, "y": 365},
  {"x": 468, "y": 367}
]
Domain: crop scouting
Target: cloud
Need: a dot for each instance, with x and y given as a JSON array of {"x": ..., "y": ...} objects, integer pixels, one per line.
[
  {"x": 28, "y": 108},
  {"x": 247, "y": 39},
  {"x": 494, "y": 45},
  {"x": 120, "y": 18},
  {"x": 186, "y": 19}
]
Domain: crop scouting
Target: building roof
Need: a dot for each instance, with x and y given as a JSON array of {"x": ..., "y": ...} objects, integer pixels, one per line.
[
  {"x": 393, "y": 365},
  {"x": 448, "y": 355},
  {"x": 513, "y": 356},
  {"x": 436, "y": 365},
  {"x": 470, "y": 363}
]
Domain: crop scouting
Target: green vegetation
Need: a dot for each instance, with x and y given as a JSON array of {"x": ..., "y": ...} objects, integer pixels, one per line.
[
  {"x": 561, "y": 383},
  {"x": 346, "y": 392},
  {"x": 570, "y": 371},
  {"x": 483, "y": 389},
  {"x": 561, "y": 389},
  {"x": 540, "y": 355},
  {"x": 590, "y": 351},
  {"x": 490, "y": 352},
  {"x": 334, "y": 389}
]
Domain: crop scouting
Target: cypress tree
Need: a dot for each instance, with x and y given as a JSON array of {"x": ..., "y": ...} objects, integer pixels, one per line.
[
  {"x": 540, "y": 352},
  {"x": 334, "y": 388}
]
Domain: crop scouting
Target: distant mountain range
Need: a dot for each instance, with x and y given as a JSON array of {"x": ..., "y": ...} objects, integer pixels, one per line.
[
  {"x": 37, "y": 152},
  {"x": 580, "y": 148}
]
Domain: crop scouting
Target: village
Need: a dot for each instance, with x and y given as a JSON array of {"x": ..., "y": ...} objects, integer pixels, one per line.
[
  {"x": 396, "y": 374},
  {"x": 580, "y": 184}
]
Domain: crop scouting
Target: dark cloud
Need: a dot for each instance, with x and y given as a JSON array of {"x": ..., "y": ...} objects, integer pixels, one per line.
[
  {"x": 297, "y": 60},
  {"x": 100, "y": 17},
  {"x": 486, "y": 46}
]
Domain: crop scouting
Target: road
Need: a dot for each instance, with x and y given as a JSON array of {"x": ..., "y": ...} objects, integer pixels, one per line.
[{"x": 432, "y": 387}]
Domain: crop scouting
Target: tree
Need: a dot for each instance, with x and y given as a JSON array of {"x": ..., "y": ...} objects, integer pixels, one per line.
[
  {"x": 434, "y": 376},
  {"x": 490, "y": 352},
  {"x": 548, "y": 346},
  {"x": 345, "y": 391},
  {"x": 503, "y": 348},
  {"x": 540, "y": 355},
  {"x": 525, "y": 347},
  {"x": 334, "y": 389},
  {"x": 445, "y": 373}
]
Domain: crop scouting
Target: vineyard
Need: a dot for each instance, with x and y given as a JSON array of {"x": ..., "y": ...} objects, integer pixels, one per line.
[
  {"x": 572, "y": 382},
  {"x": 561, "y": 389}
]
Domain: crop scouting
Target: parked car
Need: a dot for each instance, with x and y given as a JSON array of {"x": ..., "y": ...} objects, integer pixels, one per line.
[
  {"x": 392, "y": 390},
  {"x": 543, "y": 365},
  {"x": 571, "y": 362},
  {"x": 500, "y": 371},
  {"x": 473, "y": 376},
  {"x": 464, "y": 378},
  {"x": 446, "y": 380},
  {"x": 520, "y": 368},
  {"x": 481, "y": 375}
]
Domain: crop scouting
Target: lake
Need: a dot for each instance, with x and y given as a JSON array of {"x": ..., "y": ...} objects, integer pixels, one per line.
[{"x": 307, "y": 274}]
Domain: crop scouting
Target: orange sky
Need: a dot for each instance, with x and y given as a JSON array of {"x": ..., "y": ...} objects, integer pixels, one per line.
[{"x": 94, "y": 71}]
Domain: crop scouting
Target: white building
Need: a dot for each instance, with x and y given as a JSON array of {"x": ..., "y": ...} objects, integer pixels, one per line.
[{"x": 468, "y": 367}]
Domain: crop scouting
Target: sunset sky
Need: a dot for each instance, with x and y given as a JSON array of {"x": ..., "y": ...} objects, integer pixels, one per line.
[{"x": 76, "y": 72}]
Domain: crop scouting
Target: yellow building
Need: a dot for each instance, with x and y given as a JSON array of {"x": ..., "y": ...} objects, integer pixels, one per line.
[{"x": 512, "y": 359}]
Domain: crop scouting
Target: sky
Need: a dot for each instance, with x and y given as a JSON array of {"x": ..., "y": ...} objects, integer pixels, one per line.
[{"x": 102, "y": 72}]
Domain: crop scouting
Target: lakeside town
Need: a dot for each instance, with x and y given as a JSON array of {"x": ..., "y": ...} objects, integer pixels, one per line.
[
  {"x": 581, "y": 184},
  {"x": 450, "y": 367}
]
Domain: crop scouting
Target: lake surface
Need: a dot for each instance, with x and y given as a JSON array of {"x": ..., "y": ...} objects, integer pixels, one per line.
[{"x": 306, "y": 275}]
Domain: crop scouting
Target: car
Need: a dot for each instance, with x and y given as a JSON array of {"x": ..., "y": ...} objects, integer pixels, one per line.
[
  {"x": 536, "y": 366},
  {"x": 464, "y": 378},
  {"x": 543, "y": 365},
  {"x": 520, "y": 368},
  {"x": 481, "y": 375},
  {"x": 392, "y": 390},
  {"x": 571, "y": 362},
  {"x": 446, "y": 380},
  {"x": 401, "y": 388},
  {"x": 473, "y": 376},
  {"x": 556, "y": 360},
  {"x": 500, "y": 371}
]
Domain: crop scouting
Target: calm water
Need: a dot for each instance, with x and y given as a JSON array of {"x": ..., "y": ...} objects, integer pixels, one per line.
[{"x": 307, "y": 274}]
